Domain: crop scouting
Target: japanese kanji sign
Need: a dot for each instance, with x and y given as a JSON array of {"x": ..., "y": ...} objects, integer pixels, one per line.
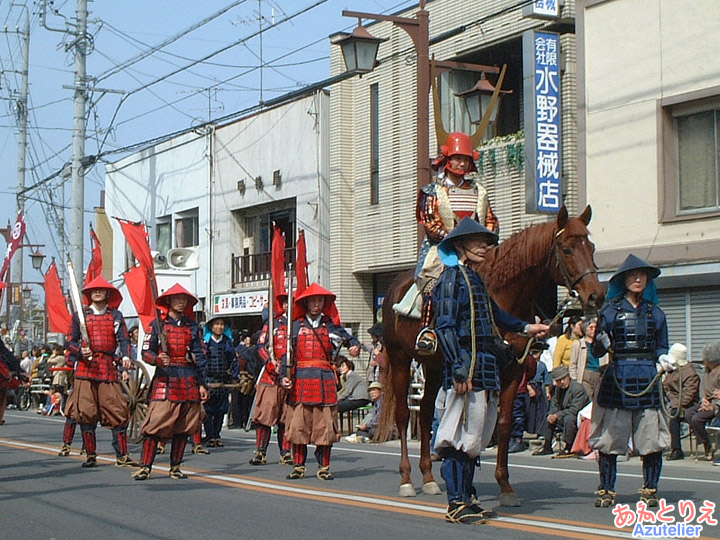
[{"x": 542, "y": 121}]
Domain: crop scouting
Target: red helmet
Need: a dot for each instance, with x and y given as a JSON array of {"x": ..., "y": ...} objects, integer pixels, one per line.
[
  {"x": 114, "y": 298},
  {"x": 163, "y": 301},
  {"x": 458, "y": 143}
]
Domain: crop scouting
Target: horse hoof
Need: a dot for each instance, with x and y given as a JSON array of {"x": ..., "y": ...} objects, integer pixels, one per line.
[
  {"x": 431, "y": 488},
  {"x": 407, "y": 490},
  {"x": 509, "y": 499}
]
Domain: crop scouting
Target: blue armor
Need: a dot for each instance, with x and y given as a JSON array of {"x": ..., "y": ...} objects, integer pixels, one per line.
[
  {"x": 221, "y": 365},
  {"x": 638, "y": 337},
  {"x": 451, "y": 303}
]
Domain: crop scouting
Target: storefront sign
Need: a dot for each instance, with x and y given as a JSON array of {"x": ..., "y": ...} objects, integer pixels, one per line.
[
  {"x": 541, "y": 79},
  {"x": 241, "y": 303},
  {"x": 542, "y": 9}
]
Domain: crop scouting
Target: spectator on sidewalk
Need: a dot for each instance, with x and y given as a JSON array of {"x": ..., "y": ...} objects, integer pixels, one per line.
[
  {"x": 573, "y": 332},
  {"x": 569, "y": 398},
  {"x": 584, "y": 365},
  {"x": 705, "y": 411},
  {"x": 365, "y": 430},
  {"x": 354, "y": 393},
  {"x": 682, "y": 387}
]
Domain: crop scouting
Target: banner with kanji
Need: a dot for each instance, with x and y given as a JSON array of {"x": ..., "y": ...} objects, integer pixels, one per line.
[
  {"x": 277, "y": 268},
  {"x": 301, "y": 265},
  {"x": 16, "y": 236}
]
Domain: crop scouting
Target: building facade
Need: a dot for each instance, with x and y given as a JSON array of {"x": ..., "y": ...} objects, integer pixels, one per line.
[
  {"x": 373, "y": 139},
  {"x": 211, "y": 195},
  {"x": 649, "y": 123}
]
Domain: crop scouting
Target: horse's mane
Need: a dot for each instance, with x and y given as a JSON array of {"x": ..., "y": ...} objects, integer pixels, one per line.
[{"x": 524, "y": 249}]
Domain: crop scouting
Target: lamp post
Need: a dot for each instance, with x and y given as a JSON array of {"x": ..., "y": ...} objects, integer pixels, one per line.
[
  {"x": 477, "y": 100},
  {"x": 358, "y": 46}
]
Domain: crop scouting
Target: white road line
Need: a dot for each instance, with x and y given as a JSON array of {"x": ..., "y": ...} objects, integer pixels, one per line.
[{"x": 283, "y": 489}]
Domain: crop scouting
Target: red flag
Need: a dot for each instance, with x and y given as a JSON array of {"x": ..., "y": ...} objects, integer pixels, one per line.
[
  {"x": 16, "y": 236},
  {"x": 137, "y": 282},
  {"x": 137, "y": 238},
  {"x": 59, "y": 317},
  {"x": 277, "y": 268},
  {"x": 95, "y": 267},
  {"x": 301, "y": 266}
]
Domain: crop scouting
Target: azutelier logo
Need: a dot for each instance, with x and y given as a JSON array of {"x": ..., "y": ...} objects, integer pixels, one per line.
[{"x": 684, "y": 520}]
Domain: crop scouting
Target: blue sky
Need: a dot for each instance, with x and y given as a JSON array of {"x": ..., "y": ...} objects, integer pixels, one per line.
[{"x": 121, "y": 30}]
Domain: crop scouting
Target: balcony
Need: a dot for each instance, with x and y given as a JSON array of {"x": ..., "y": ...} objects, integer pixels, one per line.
[{"x": 255, "y": 267}]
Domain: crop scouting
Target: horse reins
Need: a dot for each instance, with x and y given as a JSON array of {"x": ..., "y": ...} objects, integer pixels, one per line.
[{"x": 569, "y": 282}]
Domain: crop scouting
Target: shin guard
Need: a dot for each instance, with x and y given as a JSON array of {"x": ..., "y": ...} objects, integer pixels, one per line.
[
  {"x": 262, "y": 437},
  {"x": 607, "y": 465},
  {"x": 69, "y": 430},
  {"x": 88, "y": 435},
  {"x": 149, "y": 447},
  {"x": 322, "y": 454},
  {"x": 178, "y": 449},
  {"x": 652, "y": 466},
  {"x": 120, "y": 442},
  {"x": 299, "y": 454}
]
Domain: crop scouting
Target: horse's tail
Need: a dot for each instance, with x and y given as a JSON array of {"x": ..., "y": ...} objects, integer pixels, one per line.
[{"x": 386, "y": 429}]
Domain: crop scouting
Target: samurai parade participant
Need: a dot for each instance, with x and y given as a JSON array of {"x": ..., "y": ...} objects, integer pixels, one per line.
[
  {"x": 11, "y": 375},
  {"x": 633, "y": 329},
  {"x": 98, "y": 395},
  {"x": 312, "y": 416},
  {"x": 179, "y": 387},
  {"x": 468, "y": 398},
  {"x": 222, "y": 366},
  {"x": 454, "y": 194},
  {"x": 270, "y": 395}
]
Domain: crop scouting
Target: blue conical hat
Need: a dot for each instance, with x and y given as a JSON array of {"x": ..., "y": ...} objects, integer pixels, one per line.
[
  {"x": 467, "y": 227},
  {"x": 633, "y": 262}
]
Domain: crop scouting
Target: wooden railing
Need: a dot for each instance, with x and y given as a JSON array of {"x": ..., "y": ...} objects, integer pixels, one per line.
[{"x": 255, "y": 267}]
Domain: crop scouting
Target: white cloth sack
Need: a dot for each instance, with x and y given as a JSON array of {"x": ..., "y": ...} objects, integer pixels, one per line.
[{"x": 482, "y": 414}]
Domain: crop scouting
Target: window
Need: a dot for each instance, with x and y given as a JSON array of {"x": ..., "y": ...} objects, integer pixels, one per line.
[
  {"x": 187, "y": 229},
  {"x": 374, "y": 144},
  {"x": 697, "y": 137},
  {"x": 163, "y": 234},
  {"x": 690, "y": 160}
]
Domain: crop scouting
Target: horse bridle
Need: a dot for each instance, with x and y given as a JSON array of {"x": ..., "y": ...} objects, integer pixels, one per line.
[{"x": 570, "y": 283}]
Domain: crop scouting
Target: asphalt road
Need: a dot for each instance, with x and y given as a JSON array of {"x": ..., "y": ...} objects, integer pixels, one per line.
[{"x": 48, "y": 497}]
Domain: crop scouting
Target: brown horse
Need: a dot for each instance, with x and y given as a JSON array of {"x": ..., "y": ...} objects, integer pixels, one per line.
[{"x": 522, "y": 275}]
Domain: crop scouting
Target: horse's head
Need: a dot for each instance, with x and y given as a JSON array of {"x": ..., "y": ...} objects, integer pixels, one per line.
[{"x": 573, "y": 258}]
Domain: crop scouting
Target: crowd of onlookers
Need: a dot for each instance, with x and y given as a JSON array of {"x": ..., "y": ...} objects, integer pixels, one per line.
[{"x": 555, "y": 397}]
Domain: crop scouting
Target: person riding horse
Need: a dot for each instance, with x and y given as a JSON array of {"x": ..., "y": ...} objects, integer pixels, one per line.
[
  {"x": 467, "y": 402},
  {"x": 454, "y": 195}
]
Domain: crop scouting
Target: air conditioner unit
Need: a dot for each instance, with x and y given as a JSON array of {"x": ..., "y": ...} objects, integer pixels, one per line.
[
  {"x": 183, "y": 258},
  {"x": 159, "y": 259}
]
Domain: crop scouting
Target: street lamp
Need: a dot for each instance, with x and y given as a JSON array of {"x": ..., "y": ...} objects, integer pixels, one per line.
[
  {"x": 418, "y": 29},
  {"x": 26, "y": 292},
  {"x": 359, "y": 50},
  {"x": 37, "y": 257},
  {"x": 477, "y": 100}
]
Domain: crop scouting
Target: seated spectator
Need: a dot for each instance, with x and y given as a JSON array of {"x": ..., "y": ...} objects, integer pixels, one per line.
[
  {"x": 563, "y": 348},
  {"x": 683, "y": 382},
  {"x": 705, "y": 411},
  {"x": 581, "y": 445},
  {"x": 584, "y": 365},
  {"x": 366, "y": 429},
  {"x": 354, "y": 393},
  {"x": 54, "y": 401},
  {"x": 569, "y": 398}
]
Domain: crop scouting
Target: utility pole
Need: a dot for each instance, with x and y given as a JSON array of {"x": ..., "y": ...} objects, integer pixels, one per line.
[{"x": 78, "y": 174}]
